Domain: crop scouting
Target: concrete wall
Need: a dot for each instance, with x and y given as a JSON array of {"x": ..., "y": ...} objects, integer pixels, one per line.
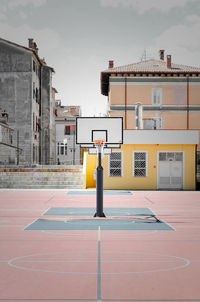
[
  {"x": 16, "y": 95},
  {"x": 47, "y": 118}
]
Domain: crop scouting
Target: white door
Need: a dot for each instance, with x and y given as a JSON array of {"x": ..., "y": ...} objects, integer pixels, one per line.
[{"x": 170, "y": 170}]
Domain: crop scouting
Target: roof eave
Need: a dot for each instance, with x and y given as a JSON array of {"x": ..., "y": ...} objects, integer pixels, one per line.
[{"x": 106, "y": 74}]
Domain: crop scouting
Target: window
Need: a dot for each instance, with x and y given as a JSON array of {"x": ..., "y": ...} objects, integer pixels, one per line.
[
  {"x": 198, "y": 161},
  {"x": 156, "y": 96},
  {"x": 171, "y": 156},
  {"x": 61, "y": 149},
  {"x": 34, "y": 90},
  {"x": 34, "y": 66},
  {"x": 152, "y": 123},
  {"x": 33, "y": 153},
  {"x": 37, "y": 95},
  {"x": 58, "y": 148},
  {"x": 33, "y": 121},
  {"x": 67, "y": 130},
  {"x": 139, "y": 163},
  {"x": 115, "y": 164}
]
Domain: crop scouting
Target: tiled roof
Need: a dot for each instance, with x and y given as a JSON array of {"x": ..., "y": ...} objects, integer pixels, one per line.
[
  {"x": 153, "y": 66},
  {"x": 147, "y": 67}
]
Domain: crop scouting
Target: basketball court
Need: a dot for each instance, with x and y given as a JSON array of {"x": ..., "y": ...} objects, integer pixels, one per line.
[
  {"x": 95, "y": 245},
  {"x": 53, "y": 249}
]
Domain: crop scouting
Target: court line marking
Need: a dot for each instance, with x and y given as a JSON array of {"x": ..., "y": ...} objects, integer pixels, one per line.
[
  {"x": 99, "y": 266},
  {"x": 43, "y": 213},
  {"x": 52, "y": 197},
  {"x": 99, "y": 273},
  {"x": 30, "y": 224},
  {"x": 111, "y": 300},
  {"x": 149, "y": 200}
]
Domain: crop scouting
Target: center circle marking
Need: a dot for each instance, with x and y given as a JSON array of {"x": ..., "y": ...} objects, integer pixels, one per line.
[{"x": 136, "y": 262}]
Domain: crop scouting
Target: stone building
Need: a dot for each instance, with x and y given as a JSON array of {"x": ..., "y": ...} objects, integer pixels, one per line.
[
  {"x": 67, "y": 152},
  {"x": 26, "y": 95},
  {"x": 8, "y": 152},
  {"x": 47, "y": 124}
]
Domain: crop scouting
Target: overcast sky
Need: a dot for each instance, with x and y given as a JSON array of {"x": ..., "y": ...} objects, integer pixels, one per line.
[{"x": 78, "y": 37}]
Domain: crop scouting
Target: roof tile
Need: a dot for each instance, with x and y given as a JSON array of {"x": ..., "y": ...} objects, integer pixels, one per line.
[{"x": 153, "y": 66}]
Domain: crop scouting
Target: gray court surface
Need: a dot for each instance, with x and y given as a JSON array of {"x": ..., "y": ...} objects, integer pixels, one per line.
[
  {"x": 102, "y": 223},
  {"x": 105, "y": 192},
  {"x": 69, "y": 211}
]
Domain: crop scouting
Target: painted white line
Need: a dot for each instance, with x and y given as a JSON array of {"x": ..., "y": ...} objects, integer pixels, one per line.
[{"x": 181, "y": 263}]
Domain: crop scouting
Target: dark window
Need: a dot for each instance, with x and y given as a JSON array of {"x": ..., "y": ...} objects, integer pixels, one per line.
[
  {"x": 33, "y": 90},
  {"x": 34, "y": 66},
  {"x": 62, "y": 149},
  {"x": 67, "y": 130},
  {"x": 198, "y": 161}
]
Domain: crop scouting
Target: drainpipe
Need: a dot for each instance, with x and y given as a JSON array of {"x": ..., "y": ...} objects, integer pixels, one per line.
[
  {"x": 125, "y": 97},
  {"x": 17, "y": 147},
  {"x": 188, "y": 103}
]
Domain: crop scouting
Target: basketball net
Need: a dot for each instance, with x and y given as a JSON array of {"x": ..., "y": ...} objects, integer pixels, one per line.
[{"x": 99, "y": 145}]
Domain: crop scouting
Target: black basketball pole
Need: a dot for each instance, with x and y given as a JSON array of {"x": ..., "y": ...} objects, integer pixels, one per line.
[{"x": 99, "y": 188}]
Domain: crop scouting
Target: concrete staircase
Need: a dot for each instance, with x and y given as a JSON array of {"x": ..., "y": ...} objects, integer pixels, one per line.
[{"x": 44, "y": 177}]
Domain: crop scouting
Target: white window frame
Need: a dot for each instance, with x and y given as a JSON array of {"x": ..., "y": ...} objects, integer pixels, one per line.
[
  {"x": 59, "y": 146},
  {"x": 156, "y": 92},
  {"x": 133, "y": 161},
  {"x": 122, "y": 164}
]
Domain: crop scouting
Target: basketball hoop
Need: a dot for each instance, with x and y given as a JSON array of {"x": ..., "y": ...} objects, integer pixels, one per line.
[
  {"x": 99, "y": 135},
  {"x": 99, "y": 145}
]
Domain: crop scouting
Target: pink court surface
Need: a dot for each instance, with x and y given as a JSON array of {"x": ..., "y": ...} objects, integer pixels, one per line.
[{"x": 99, "y": 264}]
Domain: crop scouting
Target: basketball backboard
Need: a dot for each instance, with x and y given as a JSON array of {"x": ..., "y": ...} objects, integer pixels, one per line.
[{"x": 107, "y": 129}]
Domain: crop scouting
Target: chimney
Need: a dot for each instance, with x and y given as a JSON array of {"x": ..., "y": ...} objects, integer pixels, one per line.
[
  {"x": 30, "y": 43},
  {"x": 169, "y": 61},
  {"x": 162, "y": 54},
  {"x": 111, "y": 64},
  {"x": 43, "y": 61}
]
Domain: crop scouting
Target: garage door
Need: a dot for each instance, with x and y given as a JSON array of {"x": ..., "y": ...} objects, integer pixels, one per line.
[{"x": 170, "y": 170}]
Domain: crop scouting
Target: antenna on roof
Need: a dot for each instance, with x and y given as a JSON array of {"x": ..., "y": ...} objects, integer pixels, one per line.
[{"x": 144, "y": 55}]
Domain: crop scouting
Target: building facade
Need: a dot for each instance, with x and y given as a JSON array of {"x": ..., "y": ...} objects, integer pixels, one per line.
[
  {"x": 168, "y": 94},
  {"x": 67, "y": 152},
  {"x": 25, "y": 82},
  {"x": 154, "y": 94},
  {"x": 9, "y": 153},
  {"x": 148, "y": 160}
]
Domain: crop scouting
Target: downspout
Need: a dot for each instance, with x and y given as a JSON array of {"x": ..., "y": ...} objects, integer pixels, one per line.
[
  {"x": 188, "y": 103},
  {"x": 196, "y": 167},
  {"x": 125, "y": 97},
  {"x": 40, "y": 117}
]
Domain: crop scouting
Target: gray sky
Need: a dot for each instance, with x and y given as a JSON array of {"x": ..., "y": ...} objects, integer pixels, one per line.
[{"x": 78, "y": 37}]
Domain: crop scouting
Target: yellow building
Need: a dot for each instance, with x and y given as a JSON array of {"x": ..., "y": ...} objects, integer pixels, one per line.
[
  {"x": 148, "y": 160},
  {"x": 168, "y": 94}
]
